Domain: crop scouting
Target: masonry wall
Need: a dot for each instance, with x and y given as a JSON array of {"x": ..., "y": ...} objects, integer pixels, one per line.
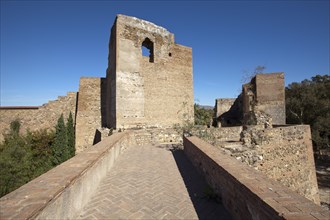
[
  {"x": 89, "y": 111},
  {"x": 287, "y": 157},
  {"x": 245, "y": 192},
  {"x": 270, "y": 96},
  {"x": 223, "y": 105},
  {"x": 43, "y": 117},
  {"x": 111, "y": 79},
  {"x": 151, "y": 94}
]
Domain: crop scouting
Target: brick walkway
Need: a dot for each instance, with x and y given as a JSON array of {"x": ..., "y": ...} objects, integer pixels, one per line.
[{"x": 153, "y": 182}]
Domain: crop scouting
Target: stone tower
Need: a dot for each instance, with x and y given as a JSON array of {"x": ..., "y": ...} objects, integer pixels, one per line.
[{"x": 155, "y": 90}]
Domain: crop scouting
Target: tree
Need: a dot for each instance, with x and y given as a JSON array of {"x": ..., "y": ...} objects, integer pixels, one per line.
[
  {"x": 14, "y": 160},
  {"x": 248, "y": 76},
  {"x": 23, "y": 157},
  {"x": 308, "y": 102},
  {"x": 203, "y": 116},
  {"x": 59, "y": 147},
  {"x": 71, "y": 136}
]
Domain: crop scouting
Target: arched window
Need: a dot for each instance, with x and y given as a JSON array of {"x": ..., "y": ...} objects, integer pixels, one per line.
[{"x": 148, "y": 49}]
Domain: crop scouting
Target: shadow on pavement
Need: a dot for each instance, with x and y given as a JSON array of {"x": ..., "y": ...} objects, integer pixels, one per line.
[{"x": 206, "y": 204}]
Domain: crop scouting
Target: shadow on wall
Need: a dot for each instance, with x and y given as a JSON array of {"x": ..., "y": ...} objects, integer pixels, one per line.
[
  {"x": 97, "y": 137},
  {"x": 206, "y": 205},
  {"x": 103, "y": 102}
]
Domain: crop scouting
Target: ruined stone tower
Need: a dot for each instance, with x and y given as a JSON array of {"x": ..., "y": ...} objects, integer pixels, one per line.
[
  {"x": 147, "y": 91},
  {"x": 153, "y": 91}
]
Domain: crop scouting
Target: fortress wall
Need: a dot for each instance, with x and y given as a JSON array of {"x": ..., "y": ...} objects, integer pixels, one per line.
[
  {"x": 288, "y": 158},
  {"x": 245, "y": 192},
  {"x": 89, "y": 113},
  {"x": 155, "y": 92},
  {"x": 45, "y": 116},
  {"x": 270, "y": 96},
  {"x": 231, "y": 134},
  {"x": 223, "y": 105},
  {"x": 110, "y": 110}
]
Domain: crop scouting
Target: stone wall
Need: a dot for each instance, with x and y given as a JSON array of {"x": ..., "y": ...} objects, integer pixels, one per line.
[
  {"x": 157, "y": 136},
  {"x": 89, "y": 113},
  {"x": 284, "y": 154},
  {"x": 223, "y": 105},
  {"x": 261, "y": 102},
  {"x": 43, "y": 117},
  {"x": 223, "y": 134},
  {"x": 152, "y": 91},
  {"x": 265, "y": 95},
  {"x": 245, "y": 192}
]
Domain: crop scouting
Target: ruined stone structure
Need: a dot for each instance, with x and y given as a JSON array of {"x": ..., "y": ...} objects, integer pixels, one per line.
[
  {"x": 42, "y": 117},
  {"x": 147, "y": 91},
  {"x": 150, "y": 94},
  {"x": 222, "y": 107},
  {"x": 261, "y": 100},
  {"x": 154, "y": 91}
]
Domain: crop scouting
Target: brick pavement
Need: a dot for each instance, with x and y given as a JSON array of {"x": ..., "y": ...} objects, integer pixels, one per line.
[{"x": 153, "y": 182}]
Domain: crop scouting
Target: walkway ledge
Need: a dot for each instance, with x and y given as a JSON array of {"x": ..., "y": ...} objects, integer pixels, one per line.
[
  {"x": 64, "y": 190},
  {"x": 245, "y": 192}
]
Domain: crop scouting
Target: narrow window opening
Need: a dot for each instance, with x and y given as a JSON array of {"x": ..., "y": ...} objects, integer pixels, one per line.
[
  {"x": 170, "y": 54},
  {"x": 148, "y": 49}
]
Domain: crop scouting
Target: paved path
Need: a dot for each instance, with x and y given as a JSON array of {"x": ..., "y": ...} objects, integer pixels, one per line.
[{"x": 153, "y": 182}]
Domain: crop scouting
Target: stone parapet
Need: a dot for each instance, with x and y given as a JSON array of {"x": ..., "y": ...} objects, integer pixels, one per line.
[
  {"x": 64, "y": 190},
  {"x": 245, "y": 192}
]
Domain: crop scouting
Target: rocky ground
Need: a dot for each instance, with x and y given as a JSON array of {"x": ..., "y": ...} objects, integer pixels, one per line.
[{"x": 323, "y": 179}]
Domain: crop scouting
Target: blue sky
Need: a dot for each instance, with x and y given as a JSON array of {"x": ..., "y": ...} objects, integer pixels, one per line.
[{"x": 46, "y": 46}]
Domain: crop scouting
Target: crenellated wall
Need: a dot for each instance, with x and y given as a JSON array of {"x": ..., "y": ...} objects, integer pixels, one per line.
[{"x": 34, "y": 118}]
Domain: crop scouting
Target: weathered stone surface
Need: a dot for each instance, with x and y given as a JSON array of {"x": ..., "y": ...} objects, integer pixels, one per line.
[
  {"x": 45, "y": 116},
  {"x": 262, "y": 102},
  {"x": 264, "y": 95},
  {"x": 89, "y": 113},
  {"x": 246, "y": 193},
  {"x": 283, "y": 153},
  {"x": 155, "y": 91},
  {"x": 138, "y": 91}
]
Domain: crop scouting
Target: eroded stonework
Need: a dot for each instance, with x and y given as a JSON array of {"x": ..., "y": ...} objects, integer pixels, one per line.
[
  {"x": 261, "y": 102},
  {"x": 148, "y": 91},
  {"x": 153, "y": 91}
]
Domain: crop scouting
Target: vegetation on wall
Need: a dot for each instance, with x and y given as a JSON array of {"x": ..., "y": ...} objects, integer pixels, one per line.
[
  {"x": 23, "y": 157},
  {"x": 308, "y": 102}
]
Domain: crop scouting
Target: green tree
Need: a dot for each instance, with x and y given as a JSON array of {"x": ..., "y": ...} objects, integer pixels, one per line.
[
  {"x": 308, "y": 102},
  {"x": 39, "y": 143},
  {"x": 203, "y": 116},
  {"x": 60, "y": 146},
  {"x": 23, "y": 157},
  {"x": 14, "y": 160},
  {"x": 71, "y": 136}
]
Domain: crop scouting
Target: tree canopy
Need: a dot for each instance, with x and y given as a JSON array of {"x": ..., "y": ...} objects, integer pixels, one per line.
[
  {"x": 23, "y": 157},
  {"x": 308, "y": 102}
]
